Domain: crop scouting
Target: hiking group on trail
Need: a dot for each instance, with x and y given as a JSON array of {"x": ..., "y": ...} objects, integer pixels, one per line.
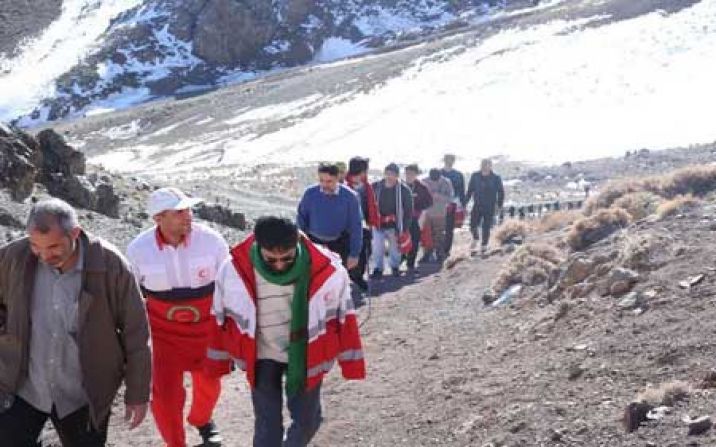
[{"x": 78, "y": 319}]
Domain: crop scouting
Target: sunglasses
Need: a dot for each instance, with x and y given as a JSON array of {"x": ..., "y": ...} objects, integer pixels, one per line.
[{"x": 283, "y": 259}]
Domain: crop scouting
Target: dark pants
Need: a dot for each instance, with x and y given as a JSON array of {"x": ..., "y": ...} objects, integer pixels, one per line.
[
  {"x": 358, "y": 272},
  {"x": 449, "y": 229},
  {"x": 20, "y": 426},
  {"x": 480, "y": 218},
  {"x": 267, "y": 397},
  {"x": 415, "y": 239},
  {"x": 341, "y": 246}
]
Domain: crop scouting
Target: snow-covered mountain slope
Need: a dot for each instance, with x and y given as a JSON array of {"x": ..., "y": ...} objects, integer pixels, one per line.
[
  {"x": 561, "y": 84},
  {"x": 102, "y": 55}
]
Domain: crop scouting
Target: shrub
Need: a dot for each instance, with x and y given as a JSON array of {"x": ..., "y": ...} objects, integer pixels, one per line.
[
  {"x": 638, "y": 204},
  {"x": 676, "y": 205},
  {"x": 557, "y": 220},
  {"x": 509, "y": 230},
  {"x": 589, "y": 230},
  {"x": 530, "y": 265}
]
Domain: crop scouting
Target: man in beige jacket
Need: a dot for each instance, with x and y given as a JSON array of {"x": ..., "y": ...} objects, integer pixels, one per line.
[{"x": 72, "y": 328}]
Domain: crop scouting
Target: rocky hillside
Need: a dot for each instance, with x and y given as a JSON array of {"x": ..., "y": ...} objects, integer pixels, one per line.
[
  {"x": 33, "y": 167},
  {"x": 157, "y": 48},
  {"x": 24, "y": 19}
]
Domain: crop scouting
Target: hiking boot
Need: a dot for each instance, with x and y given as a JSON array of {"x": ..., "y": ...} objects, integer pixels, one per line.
[
  {"x": 377, "y": 274},
  {"x": 210, "y": 435},
  {"x": 361, "y": 283},
  {"x": 483, "y": 249}
]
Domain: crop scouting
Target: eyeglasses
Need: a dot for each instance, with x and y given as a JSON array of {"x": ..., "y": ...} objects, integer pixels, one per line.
[{"x": 283, "y": 259}]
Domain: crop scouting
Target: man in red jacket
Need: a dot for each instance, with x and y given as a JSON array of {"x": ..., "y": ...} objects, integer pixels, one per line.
[{"x": 283, "y": 308}]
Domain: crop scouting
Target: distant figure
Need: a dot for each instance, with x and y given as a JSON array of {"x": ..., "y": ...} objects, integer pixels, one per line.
[
  {"x": 341, "y": 171},
  {"x": 441, "y": 190},
  {"x": 395, "y": 208},
  {"x": 422, "y": 200},
  {"x": 357, "y": 179},
  {"x": 486, "y": 190},
  {"x": 73, "y": 328},
  {"x": 458, "y": 186}
]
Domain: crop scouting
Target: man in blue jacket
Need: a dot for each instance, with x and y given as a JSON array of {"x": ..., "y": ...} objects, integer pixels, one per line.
[{"x": 329, "y": 213}]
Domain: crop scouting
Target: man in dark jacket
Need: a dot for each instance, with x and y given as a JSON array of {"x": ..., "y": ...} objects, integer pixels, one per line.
[
  {"x": 72, "y": 328},
  {"x": 486, "y": 190},
  {"x": 395, "y": 208},
  {"x": 357, "y": 179},
  {"x": 422, "y": 200},
  {"x": 458, "y": 186}
]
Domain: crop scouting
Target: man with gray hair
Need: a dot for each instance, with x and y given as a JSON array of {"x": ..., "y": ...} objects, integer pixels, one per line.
[{"x": 72, "y": 329}]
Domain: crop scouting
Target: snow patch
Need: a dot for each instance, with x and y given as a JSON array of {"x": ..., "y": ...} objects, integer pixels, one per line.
[
  {"x": 335, "y": 48},
  {"x": 29, "y": 77}
]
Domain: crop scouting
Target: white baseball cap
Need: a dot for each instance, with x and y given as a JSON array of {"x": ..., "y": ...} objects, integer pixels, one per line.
[{"x": 164, "y": 199}]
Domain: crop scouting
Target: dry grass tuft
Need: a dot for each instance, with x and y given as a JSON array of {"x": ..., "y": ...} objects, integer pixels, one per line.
[
  {"x": 697, "y": 181},
  {"x": 638, "y": 204},
  {"x": 557, "y": 220},
  {"x": 668, "y": 393},
  {"x": 509, "y": 230},
  {"x": 589, "y": 230},
  {"x": 530, "y": 265},
  {"x": 676, "y": 205}
]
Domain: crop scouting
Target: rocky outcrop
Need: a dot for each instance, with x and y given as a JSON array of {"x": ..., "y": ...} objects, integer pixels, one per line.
[
  {"x": 19, "y": 156},
  {"x": 229, "y": 32},
  {"x": 22, "y": 19},
  {"x": 167, "y": 45},
  {"x": 221, "y": 215},
  {"x": 49, "y": 160}
]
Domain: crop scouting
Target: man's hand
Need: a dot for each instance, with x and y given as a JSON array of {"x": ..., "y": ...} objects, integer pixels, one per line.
[
  {"x": 351, "y": 263},
  {"x": 135, "y": 414}
]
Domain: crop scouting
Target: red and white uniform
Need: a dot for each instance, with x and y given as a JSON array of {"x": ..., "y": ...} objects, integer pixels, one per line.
[
  {"x": 178, "y": 284},
  {"x": 333, "y": 332}
]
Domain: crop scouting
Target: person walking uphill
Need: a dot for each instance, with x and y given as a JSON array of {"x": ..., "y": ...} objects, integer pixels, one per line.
[
  {"x": 283, "y": 308},
  {"x": 176, "y": 263},
  {"x": 422, "y": 200},
  {"x": 458, "y": 186},
  {"x": 395, "y": 211},
  {"x": 329, "y": 213},
  {"x": 441, "y": 190},
  {"x": 486, "y": 190},
  {"x": 357, "y": 180},
  {"x": 72, "y": 328}
]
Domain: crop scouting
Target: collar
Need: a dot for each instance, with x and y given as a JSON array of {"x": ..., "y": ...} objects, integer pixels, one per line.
[
  {"x": 162, "y": 241},
  {"x": 331, "y": 193}
]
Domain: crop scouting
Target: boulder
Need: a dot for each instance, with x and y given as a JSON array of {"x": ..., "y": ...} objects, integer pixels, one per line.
[
  {"x": 221, "y": 215},
  {"x": 18, "y": 157},
  {"x": 577, "y": 271},
  {"x": 228, "y": 32},
  {"x": 58, "y": 156},
  {"x": 8, "y": 220}
]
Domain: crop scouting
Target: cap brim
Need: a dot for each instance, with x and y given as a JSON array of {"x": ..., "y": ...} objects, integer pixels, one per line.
[{"x": 189, "y": 202}]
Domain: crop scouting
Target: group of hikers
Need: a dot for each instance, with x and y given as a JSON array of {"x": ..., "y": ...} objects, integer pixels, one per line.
[
  {"x": 78, "y": 318},
  {"x": 356, "y": 218}
]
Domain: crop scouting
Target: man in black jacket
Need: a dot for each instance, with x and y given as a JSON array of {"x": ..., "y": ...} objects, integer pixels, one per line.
[
  {"x": 458, "y": 186},
  {"x": 486, "y": 190}
]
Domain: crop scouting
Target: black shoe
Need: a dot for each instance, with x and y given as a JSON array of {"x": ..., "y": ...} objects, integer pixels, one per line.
[
  {"x": 395, "y": 272},
  {"x": 361, "y": 283},
  {"x": 377, "y": 274},
  {"x": 210, "y": 435}
]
